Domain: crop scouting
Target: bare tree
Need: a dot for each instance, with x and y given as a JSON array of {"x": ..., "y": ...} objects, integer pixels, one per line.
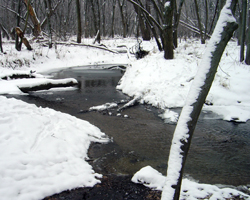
[
  {"x": 201, "y": 85},
  {"x": 124, "y": 24},
  {"x": 113, "y": 18},
  {"x": 1, "y": 46},
  {"x": 18, "y": 43},
  {"x": 37, "y": 26},
  {"x": 48, "y": 12},
  {"x": 177, "y": 14},
  {"x": 243, "y": 29},
  {"x": 167, "y": 33},
  {"x": 79, "y": 26},
  {"x": 199, "y": 21}
]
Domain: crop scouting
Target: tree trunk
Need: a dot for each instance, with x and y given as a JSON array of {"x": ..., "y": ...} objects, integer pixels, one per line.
[
  {"x": 79, "y": 26},
  {"x": 96, "y": 20},
  {"x": 121, "y": 4},
  {"x": 37, "y": 27},
  {"x": 48, "y": 84},
  {"x": 199, "y": 21},
  {"x": 1, "y": 46},
  {"x": 214, "y": 16},
  {"x": 247, "y": 60},
  {"x": 182, "y": 137},
  {"x": 167, "y": 35},
  {"x": 142, "y": 23},
  {"x": 206, "y": 20},
  {"x": 18, "y": 44},
  {"x": 177, "y": 15},
  {"x": 20, "y": 35},
  {"x": 47, "y": 4},
  {"x": 243, "y": 29},
  {"x": 113, "y": 19}
]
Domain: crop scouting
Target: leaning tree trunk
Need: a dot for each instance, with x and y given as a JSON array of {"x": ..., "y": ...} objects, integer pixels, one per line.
[
  {"x": 37, "y": 27},
  {"x": 225, "y": 27}
]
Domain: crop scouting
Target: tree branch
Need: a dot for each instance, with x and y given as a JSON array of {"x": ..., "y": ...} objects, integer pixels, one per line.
[{"x": 147, "y": 13}]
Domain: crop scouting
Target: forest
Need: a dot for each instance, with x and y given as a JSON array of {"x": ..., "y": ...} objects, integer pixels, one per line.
[
  {"x": 165, "y": 22},
  {"x": 60, "y": 20}
]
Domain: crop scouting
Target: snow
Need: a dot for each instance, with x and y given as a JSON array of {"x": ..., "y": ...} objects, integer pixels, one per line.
[
  {"x": 190, "y": 190},
  {"x": 153, "y": 80},
  {"x": 104, "y": 107},
  {"x": 167, "y": 4},
  {"x": 43, "y": 151}
]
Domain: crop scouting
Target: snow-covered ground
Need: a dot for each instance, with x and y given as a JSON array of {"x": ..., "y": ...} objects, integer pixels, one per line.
[
  {"x": 41, "y": 147},
  {"x": 190, "y": 190}
]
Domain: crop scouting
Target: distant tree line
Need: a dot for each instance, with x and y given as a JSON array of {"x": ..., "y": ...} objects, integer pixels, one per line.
[{"x": 163, "y": 20}]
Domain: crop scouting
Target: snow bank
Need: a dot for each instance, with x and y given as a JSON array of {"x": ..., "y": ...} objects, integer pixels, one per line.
[
  {"x": 190, "y": 190},
  {"x": 165, "y": 83},
  {"x": 43, "y": 152}
]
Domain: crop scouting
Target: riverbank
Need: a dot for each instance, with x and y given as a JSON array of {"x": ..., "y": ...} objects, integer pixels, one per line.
[{"x": 151, "y": 80}]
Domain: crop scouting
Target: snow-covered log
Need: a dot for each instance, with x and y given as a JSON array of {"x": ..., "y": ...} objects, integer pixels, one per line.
[
  {"x": 46, "y": 84},
  {"x": 133, "y": 102},
  {"x": 20, "y": 75},
  {"x": 224, "y": 29},
  {"x": 87, "y": 45}
]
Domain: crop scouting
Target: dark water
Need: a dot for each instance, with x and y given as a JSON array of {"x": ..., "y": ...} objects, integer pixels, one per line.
[{"x": 219, "y": 152}]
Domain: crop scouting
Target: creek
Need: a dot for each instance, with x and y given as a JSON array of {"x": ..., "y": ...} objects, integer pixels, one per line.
[{"x": 219, "y": 153}]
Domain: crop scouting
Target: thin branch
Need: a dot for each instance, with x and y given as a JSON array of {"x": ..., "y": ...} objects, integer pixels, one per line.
[
  {"x": 147, "y": 13},
  {"x": 16, "y": 14},
  {"x": 50, "y": 14}
]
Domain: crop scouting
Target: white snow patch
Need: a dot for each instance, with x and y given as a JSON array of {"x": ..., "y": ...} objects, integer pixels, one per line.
[
  {"x": 104, "y": 107},
  {"x": 169, "y": 116},
  {"x": 190, "y": 190},
  {"x": 43, "y": 152}
]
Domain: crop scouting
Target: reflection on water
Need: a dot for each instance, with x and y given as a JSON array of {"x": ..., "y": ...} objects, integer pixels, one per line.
[{"x": 219, "y": 151}]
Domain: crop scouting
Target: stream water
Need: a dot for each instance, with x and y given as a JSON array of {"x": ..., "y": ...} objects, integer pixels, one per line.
[{"x": 219, "y": 152}]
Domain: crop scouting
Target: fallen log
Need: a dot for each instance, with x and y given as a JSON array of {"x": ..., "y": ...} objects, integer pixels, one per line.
[
  {"x": 18, "y": 76},
  {"x": 131, "y": 103},
  {"x": 87, "y": 45},
  {"x": 46, "y": 84}
]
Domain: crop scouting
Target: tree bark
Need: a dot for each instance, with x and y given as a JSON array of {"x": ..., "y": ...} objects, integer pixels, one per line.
[
  {"x": 206, "y": 20},
  {"x": 1, "y": 46},
  {"x": 199, "y": 21},
  {"x": 215, "y": 13},
  {"x": 198, "y": 92},
  {"x": 37, "y": 27},
  {"x": 24, "y": 40},
  {"x": 96, "y": 19},
  {"x": 18, "y": 44},
  {"x": 168, "y": 45},
  {"x": 243, "y": 29},
  {"x": 177, "y": 15},
  {"x": 47, "y": 4},
  {"x": 79, "y": 26},
  {"x": 113, "y": 19},
  {"x": 124, "y": 25}
]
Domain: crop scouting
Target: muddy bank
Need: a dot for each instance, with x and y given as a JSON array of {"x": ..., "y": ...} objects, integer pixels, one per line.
[{"x": 112, "y": 187}]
